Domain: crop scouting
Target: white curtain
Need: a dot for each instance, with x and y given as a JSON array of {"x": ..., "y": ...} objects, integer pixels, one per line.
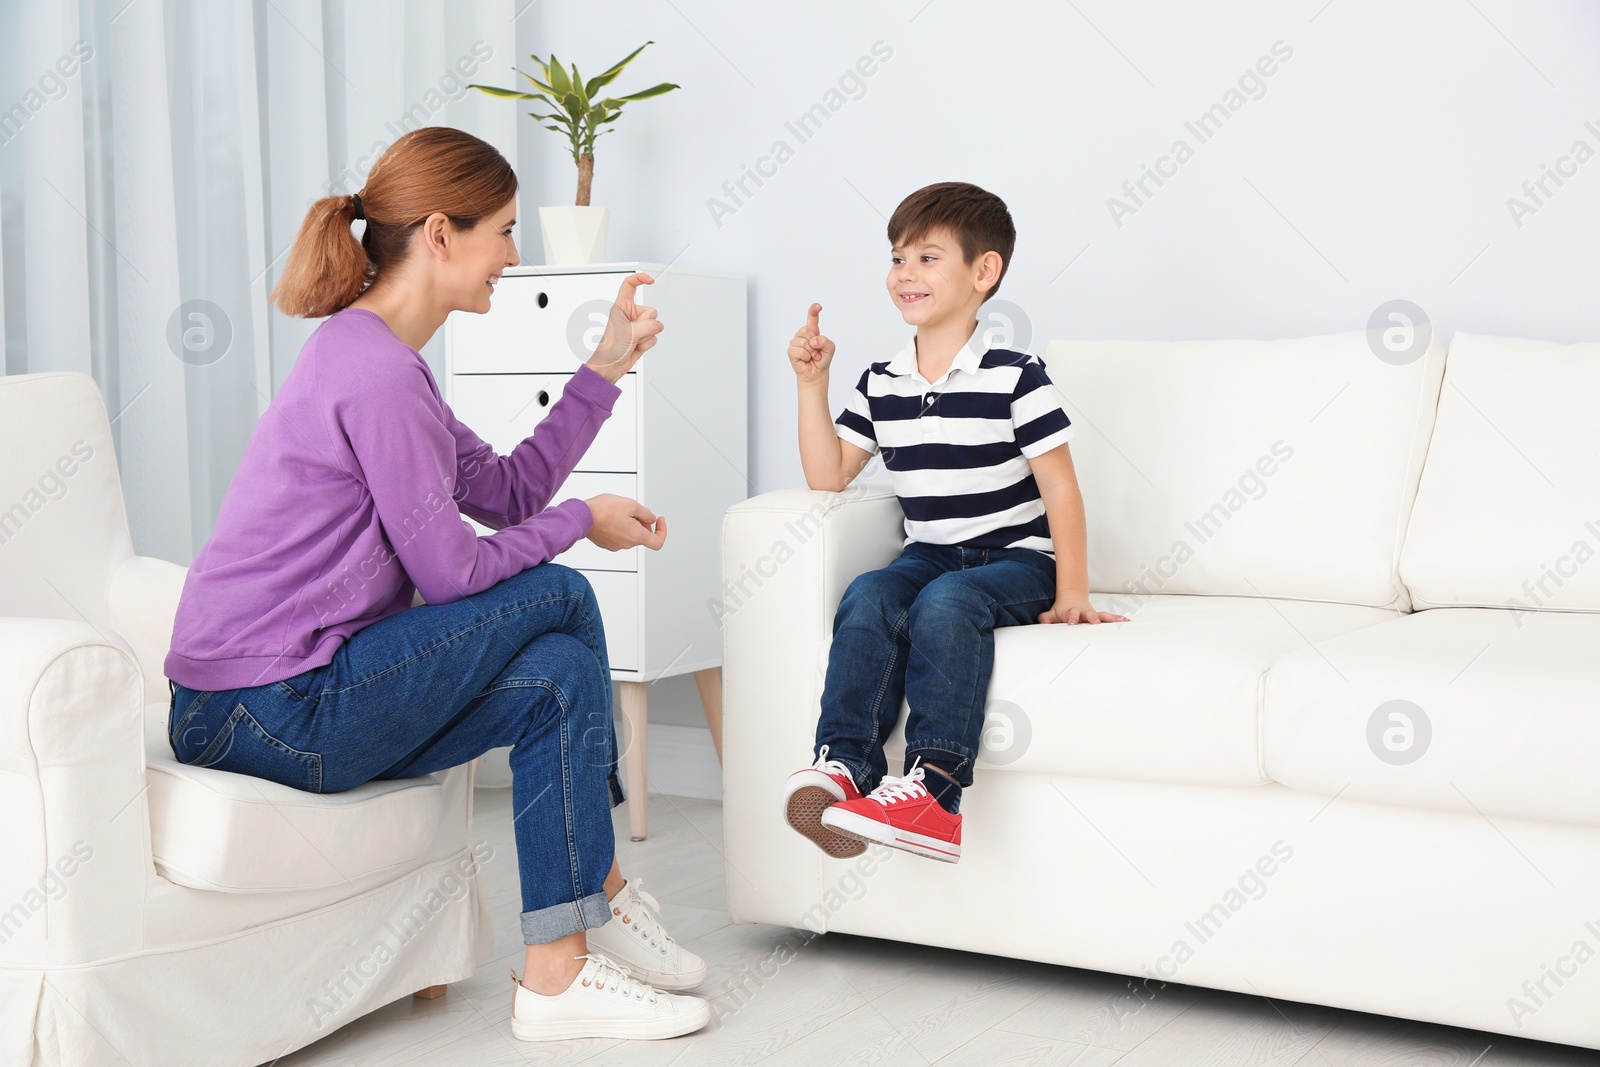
[{"x": 156, "y": 159}]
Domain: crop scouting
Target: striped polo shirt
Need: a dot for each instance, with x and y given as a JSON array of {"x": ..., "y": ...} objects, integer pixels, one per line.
[{"x": 957, "y": 449}]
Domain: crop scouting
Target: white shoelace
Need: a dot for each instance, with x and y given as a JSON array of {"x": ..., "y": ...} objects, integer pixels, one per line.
[
  {"x": 615, "y": 977},
  {"x": 647, "y": 924},
  {"x": 830, "y": 766},
  {"x": 891, "y": 789}
]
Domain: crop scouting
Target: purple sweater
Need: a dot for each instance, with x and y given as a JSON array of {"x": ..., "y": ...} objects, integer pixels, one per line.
[{"x": 349, "y": 498}]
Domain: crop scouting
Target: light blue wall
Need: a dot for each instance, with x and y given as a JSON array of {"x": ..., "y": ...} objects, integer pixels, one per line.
[{"x": 1375, "y": 163}]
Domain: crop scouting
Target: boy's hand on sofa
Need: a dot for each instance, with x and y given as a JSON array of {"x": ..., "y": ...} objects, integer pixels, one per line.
[
  {"x": 622, "y": 523},
  {"x": 1075, "y": 609},
  {"x": 810, "y": 352}
]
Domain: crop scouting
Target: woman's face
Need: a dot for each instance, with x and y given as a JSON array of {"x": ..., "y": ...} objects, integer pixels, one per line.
[{"x": 478, "y": 256}]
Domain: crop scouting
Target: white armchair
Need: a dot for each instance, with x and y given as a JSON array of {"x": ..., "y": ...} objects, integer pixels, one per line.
[{"x": 152, "y": 912}]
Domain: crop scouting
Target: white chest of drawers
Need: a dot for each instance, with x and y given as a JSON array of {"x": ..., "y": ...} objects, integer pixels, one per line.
[{"x": 676, "y": 441}]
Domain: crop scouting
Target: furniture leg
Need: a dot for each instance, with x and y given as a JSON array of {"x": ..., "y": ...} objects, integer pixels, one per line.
[
  {"x": 433, "y": 992},
  {"x": 635, "y": 716},
  {"x": 710, "y": 684}
]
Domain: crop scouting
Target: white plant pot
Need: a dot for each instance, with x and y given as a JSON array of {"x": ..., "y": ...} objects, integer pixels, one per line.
[{"x": 573, "y": 234}]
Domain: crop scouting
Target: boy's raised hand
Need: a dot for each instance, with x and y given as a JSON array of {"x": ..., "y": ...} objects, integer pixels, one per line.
[{"x": 810, "y": 352}]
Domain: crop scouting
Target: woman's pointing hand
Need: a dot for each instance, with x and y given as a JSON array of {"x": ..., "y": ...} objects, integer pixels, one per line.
[{"x": 631, "y": 330}]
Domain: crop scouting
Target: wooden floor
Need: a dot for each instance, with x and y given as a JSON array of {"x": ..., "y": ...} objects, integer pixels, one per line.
[{"x": 839, "y": 999}]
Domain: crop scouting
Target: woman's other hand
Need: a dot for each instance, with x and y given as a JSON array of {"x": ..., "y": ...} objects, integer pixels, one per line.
[{"x": 622, "y": 523}]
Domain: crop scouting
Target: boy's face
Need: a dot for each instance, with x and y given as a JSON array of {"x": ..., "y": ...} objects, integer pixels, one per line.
[{"x": 930, "y": 283}]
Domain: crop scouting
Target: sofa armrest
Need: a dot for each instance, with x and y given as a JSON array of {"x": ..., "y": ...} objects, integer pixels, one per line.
[
  {"x": 77, "y": 836},
  {"x": 787, "y": 557},
  {"x": 144, "y": 595}
]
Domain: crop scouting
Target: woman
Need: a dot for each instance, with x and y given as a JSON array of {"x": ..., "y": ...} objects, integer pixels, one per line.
[{"x": 297, "y": 655}]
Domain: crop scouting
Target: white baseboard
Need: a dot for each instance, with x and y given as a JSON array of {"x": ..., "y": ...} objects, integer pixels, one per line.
[{"x": 683, "y": 763}]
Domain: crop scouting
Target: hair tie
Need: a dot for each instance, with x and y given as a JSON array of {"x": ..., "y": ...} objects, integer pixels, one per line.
[{"x": 355, "y": 198}]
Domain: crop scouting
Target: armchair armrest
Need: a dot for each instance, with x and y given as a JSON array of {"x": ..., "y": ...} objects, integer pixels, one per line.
[
  {"x": 787, "y": 557},
  {"x": 144, "y": 595},
  {"x": 71, "y": 787}
]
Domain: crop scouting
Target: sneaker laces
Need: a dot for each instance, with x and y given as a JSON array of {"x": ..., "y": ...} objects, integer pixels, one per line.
[
  {"x": 611, "y": 975},
  {"x": 891, "y": 789},
  {"x": 646, "y": 920},
  {"x": 831, "y": 766}
]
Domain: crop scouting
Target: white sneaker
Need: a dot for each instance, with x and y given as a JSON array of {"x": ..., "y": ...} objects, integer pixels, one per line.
[
  {"x": 636, "y": 939},
  {"x": 604, "y": 1001}
]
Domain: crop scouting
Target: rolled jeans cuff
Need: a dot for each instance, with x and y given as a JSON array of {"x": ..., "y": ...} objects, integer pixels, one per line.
[
  {"x": 562, "y": 920},
  {"x": 946, "y": 755}
]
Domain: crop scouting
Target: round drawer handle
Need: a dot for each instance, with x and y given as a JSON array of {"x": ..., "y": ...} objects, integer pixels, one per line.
[
  {"x": 544, "y": 300},
  {"x": 544, "y": 399}
]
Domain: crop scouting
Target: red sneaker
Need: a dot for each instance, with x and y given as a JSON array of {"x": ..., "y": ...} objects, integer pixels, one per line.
[
  {"x": 807, "y": 795},
  {"x": 902, "y": 813}
]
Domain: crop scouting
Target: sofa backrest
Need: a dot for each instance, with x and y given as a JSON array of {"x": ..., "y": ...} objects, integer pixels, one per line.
[
  {"x": 1247, "y": 468},
  {"x": 62, "y": 523},
  {"x": 1508, "y": 511}
]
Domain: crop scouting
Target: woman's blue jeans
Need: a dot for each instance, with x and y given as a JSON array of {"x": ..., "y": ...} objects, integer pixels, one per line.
[
  {"x": 922, "y": 630},
  {"x": 521, "y": 664}
]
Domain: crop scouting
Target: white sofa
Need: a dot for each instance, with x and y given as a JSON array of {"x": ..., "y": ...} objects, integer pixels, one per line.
[
  {"x": 152, "y": 912},
  {"x": 1218, "y": 792}
]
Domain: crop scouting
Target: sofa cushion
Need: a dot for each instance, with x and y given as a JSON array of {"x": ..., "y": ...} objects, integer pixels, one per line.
[
  {"x": 1464, "y": 709},
  {"x": 1248, "y": 468},
  {"x": 1508, "y": 512},
  {"x": 1172, "y": 696},
  {"x": 212, "y": 829}
]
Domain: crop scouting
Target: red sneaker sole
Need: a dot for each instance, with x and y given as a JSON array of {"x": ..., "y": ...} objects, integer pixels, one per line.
[
  {"x": 804, "y": 812},
  {"x": 859, "y": 826}
]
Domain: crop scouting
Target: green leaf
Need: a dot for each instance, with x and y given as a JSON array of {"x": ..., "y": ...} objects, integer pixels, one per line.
[
  {"x": 578, "y": 91},
  {"x": 543, "y": 67},
  {"x": 558, "y": 78},
  {"x": 654, "y": 90},
  {"x": 537, "y": 82},
  {"x": 506, "y": 94},
  {"x": 601, "y": 80},
  {"x": 573, "y": 108}
]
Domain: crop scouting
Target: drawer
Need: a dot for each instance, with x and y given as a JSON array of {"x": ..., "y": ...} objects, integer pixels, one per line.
[
  {"x": 618, "y": 595},
  {"x": 586, "y": 555},
  {"x": 503, "y": 409},
  {"x": 546, "y": 323}
]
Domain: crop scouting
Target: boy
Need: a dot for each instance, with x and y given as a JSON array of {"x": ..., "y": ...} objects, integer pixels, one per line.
[{"x": 975, "y": 441}]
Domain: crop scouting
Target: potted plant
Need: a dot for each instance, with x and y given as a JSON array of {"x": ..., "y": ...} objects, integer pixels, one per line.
[{"x": 576, "y": 234}]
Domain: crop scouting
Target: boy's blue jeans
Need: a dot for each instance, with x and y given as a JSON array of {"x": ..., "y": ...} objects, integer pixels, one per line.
[
  {"x": 522, "y": 663},
  {"x": 922, "y": 630}
]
